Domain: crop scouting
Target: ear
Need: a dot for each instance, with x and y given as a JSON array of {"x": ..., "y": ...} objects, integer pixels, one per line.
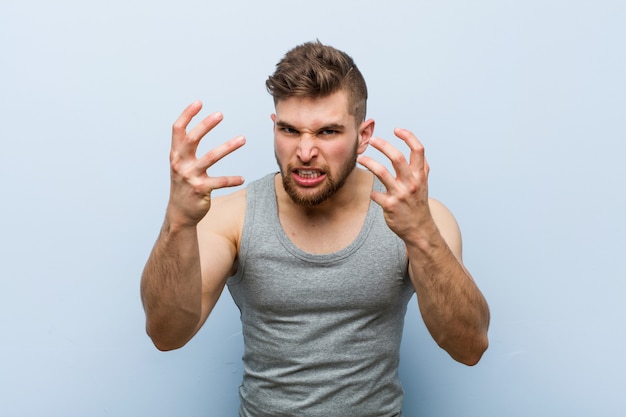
[{"x": 366, "y": 131}]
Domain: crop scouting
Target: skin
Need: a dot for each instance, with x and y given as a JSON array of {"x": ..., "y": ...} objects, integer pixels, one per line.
[
  {"x": 317, "y": 143},
  {"x": 453, "y": 308}
]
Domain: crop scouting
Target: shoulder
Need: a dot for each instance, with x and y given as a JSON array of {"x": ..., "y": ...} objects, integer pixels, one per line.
[
  {"x": 439, "y": 210},
  {"x": 233, "y": 201},
  {"x": 225, "y": 218},
  {"x": 447, "y": 225}
]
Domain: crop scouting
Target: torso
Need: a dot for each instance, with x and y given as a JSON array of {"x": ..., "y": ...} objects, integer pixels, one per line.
[{"x": 319, "y": 328}]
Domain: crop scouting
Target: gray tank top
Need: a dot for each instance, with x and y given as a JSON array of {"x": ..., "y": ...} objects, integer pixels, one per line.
[{"x": 321, "y": 332}]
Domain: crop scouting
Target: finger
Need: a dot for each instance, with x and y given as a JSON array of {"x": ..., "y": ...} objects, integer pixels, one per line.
[
  {"x": 179, "y": 128},
  {"x": 398, "y": 161},
  {"x": 417, "y": 160},
  {"x": 205, "y": 126},
  {"x": 215, "y": 183},
  {"x": 210, "y": 158},
  {"x": 188, "y": 146},
  {"x": 379, "y": 170}
]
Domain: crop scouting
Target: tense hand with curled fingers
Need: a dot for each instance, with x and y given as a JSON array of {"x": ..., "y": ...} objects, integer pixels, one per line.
[
  {"x": 191, "y": 185},
  {"x": 405, "y": 203}
]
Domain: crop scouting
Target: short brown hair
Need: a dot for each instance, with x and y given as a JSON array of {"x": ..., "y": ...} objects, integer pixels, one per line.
[{"x": 314, "y": 70}]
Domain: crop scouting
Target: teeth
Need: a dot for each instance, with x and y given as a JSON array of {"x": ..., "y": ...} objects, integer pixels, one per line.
[{"x": 306, "y": 173}]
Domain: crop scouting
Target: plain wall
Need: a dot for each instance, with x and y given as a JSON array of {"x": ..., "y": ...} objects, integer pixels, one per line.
[{"x": 521, "y": 108}]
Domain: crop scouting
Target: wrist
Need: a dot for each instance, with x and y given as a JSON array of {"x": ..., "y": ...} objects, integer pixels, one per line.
[
  {"x": 176, "y": 221},
  {"x": 427, "y": 240}
]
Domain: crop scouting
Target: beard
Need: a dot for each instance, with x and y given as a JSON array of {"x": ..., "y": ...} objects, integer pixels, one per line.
[{"x": 329, "y": 188}]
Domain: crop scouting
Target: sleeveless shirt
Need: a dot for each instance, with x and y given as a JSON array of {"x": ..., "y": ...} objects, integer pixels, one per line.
[{"x": 322, "y": 332}]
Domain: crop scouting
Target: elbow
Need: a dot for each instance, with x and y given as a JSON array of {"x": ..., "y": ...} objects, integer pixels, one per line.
[
  {"x": 472, "y": 353},
  {"x": 466, "y": 348},
  {"x": 171, "y": 330},
  {"x": 164, "y": 343},
  {"x": 471, "y": 359},
  {"x": 165, "y": 346},
  {"x": 474, "y": 344}
]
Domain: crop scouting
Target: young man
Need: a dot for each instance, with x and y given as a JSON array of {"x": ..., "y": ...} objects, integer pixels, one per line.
[{"x": 322, "y": 275}]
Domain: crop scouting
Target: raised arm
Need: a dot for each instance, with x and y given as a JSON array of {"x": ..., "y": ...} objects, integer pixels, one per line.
[
  {"x": 453, "y": 308},
  {"x": 179, "y": 287}
]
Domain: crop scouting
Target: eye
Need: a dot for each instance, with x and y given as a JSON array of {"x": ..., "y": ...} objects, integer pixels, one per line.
[
  {"x": 288, "y": 131},
  {"x": 328, "y": 132}
]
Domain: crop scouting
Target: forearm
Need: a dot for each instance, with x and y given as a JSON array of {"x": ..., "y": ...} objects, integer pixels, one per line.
[
  {"x": 171, "y": 287},
  {"x": 453, "y": 308}
]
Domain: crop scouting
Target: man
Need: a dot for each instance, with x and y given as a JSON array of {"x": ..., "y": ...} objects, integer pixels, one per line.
[{"x": 321, "y": 275}]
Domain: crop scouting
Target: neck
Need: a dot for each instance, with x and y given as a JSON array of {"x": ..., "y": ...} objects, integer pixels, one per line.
[{"x": 356, "y": 190}]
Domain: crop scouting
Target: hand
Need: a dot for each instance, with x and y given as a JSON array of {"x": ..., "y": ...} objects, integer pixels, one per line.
[
  {"x": 191, "y": 186},
  {"x": 405, "y": 203}
]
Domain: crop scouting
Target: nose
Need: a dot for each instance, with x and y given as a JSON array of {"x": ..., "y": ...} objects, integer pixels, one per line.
[{"x": 307, "y": 148}]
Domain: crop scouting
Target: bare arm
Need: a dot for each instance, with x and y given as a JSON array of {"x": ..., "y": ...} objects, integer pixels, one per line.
[
  {"x": 453, "y": 308},
  {"x": 178, "y": 286}
]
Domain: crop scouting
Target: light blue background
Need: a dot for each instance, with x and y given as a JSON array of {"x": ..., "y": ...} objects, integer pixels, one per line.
[{"x": 521, "y": 107}]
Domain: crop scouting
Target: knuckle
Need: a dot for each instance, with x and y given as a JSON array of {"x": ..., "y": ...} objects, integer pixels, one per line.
[
  {"x": 412, "y": 188},
  {"x": 178, "y": 125},
  {"x": 176, "y": 163},
  {"x": 207, "y": 160},
  {"x": 188, "y": 141},
  {"x": 187, "y": 178},
  {"x": 398, "y": 158},
  {"x": 211, "y": 155},
  {"x": 199, "y": 190}
]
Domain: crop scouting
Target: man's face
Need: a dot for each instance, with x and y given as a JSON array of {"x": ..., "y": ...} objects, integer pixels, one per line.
[{"x": 316, "y": 143}]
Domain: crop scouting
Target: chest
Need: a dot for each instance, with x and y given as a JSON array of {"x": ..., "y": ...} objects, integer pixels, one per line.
[
  {"x": 323, "y": 237},
  {"x": 367, "y": 274},
  {"x": 285, "y": 286}
]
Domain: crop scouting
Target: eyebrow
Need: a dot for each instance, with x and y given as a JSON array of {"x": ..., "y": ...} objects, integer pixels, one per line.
[{"x": 332, "y": 126}]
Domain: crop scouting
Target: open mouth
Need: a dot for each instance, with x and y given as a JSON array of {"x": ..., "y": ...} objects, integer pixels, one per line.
[
  {"x": 308, "y": 177},
  {"x": 308, "y": 174}
]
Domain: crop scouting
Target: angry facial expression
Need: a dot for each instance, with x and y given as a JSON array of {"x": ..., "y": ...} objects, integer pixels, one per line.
[{"x": 316, "y": 143}]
